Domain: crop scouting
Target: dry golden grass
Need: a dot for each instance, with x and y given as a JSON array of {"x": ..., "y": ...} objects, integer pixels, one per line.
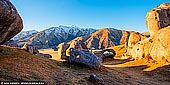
[
  {"x": 18, "y": 65},
  {"x": 53, "y": 53}
]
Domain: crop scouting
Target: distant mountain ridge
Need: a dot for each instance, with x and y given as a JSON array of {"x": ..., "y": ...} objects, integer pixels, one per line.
[
  {"x": 104, "y": 38},
  {"x": 51, "y": 37},
  {"x": 107, "y": 37},
  {"x": 24, "y": 34}
]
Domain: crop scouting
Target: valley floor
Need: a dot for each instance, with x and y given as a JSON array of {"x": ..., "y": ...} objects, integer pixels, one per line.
[{"x": 18, "y": 65}]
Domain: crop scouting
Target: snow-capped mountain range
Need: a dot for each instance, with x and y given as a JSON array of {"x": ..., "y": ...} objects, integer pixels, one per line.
[
  {"x": 24, "y": 34},
  {"x": 51, "y": 37}
]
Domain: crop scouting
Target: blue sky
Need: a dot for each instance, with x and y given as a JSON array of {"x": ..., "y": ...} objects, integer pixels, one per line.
[{"x": 120, "y": 14}]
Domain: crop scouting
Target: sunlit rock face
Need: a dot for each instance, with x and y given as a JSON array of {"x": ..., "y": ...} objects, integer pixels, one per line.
[
  {"x": 158, "y": 18},
  {"x": 10, "y": 21},
  {"x": 134, "y": 46},
  {"x": 105, "y": 37},
  {"x": 160, "y": 48},
  {"x": 157, "y": 46},
  {"x": 158, "y": 22}
]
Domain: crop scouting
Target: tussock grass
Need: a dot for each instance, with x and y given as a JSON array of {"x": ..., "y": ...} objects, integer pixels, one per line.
[{"x": 19, "y": 65}]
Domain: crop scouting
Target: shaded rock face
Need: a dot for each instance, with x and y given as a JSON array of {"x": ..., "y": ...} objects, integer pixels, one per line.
[
  {"x": 10, "y": 21},
  {"x": 30, "y": 48},
  {"x": 99, "y": 54},
  {"x": 158, "y": 18},
  {"x": 86, "y": 58},
  {"x": 109, "y": 53},
  {"x": 44, "y": 55}
]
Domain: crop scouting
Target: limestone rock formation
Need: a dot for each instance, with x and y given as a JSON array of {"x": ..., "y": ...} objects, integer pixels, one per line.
[
  {"x": 62, "y": 47},
  {"x": 160, "y": 47},
  {"x": 133, "y": 45},
  {"x": 77, "y": 44},
  {"x": 141, "y": 49},
  {"x": 30, "y": 48},
  {"x": 77, "y": 52},
  {"x": 134, "y": 38},
  {"x": 158, "y": 18},
  {"x": 10, "y": 21},
  {"x": 157, "y": 46},
  {"x": 87, "y": 58}
]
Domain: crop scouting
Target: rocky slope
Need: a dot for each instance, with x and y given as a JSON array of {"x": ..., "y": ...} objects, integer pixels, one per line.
[
  {"x": 50, "y": 38},
  {"x": 10, "y": 21},
  {"x": 106, "y": 37}
]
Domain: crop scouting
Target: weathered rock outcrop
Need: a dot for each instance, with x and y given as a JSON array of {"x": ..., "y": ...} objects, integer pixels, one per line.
[
  {"x": 86, "y": 58},
  {"x": 77, "y": 44},
  {"x": 10, "y": 21},
  {"x": 76, "y": 51},
  {"x": 30, "y": 48},
  {"x": 134, "y": 38},
  {"x": 141, "y": 49},
  {"x": 133, "y": 45},
  {"x": 158, "y": 18},
  {"x": 62, "y": 47},
  {"x": 160, "y": 47}
]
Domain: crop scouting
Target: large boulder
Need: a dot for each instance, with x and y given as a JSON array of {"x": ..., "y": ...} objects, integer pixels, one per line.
[
  {"x": 77, "y": 44},
  {"x": 77, "y": 52},
  {"x": 141, "y": 49},
  {"x": 160, "y": 47},
  {"x": 158, "y": 18},
  {"x": 87, "y": 58},
  {"x": 10, "y": 21},
  {"x": 99, "y": 54},
  {"x": 109, "y": 53},
  {"x": 133, "y": 39},
  {"x": 62, "y": 47},
  {"x": 30, "y": 48}
]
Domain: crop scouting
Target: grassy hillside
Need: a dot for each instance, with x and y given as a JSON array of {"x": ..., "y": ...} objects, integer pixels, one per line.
[{"x": 18, "y": 65}]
